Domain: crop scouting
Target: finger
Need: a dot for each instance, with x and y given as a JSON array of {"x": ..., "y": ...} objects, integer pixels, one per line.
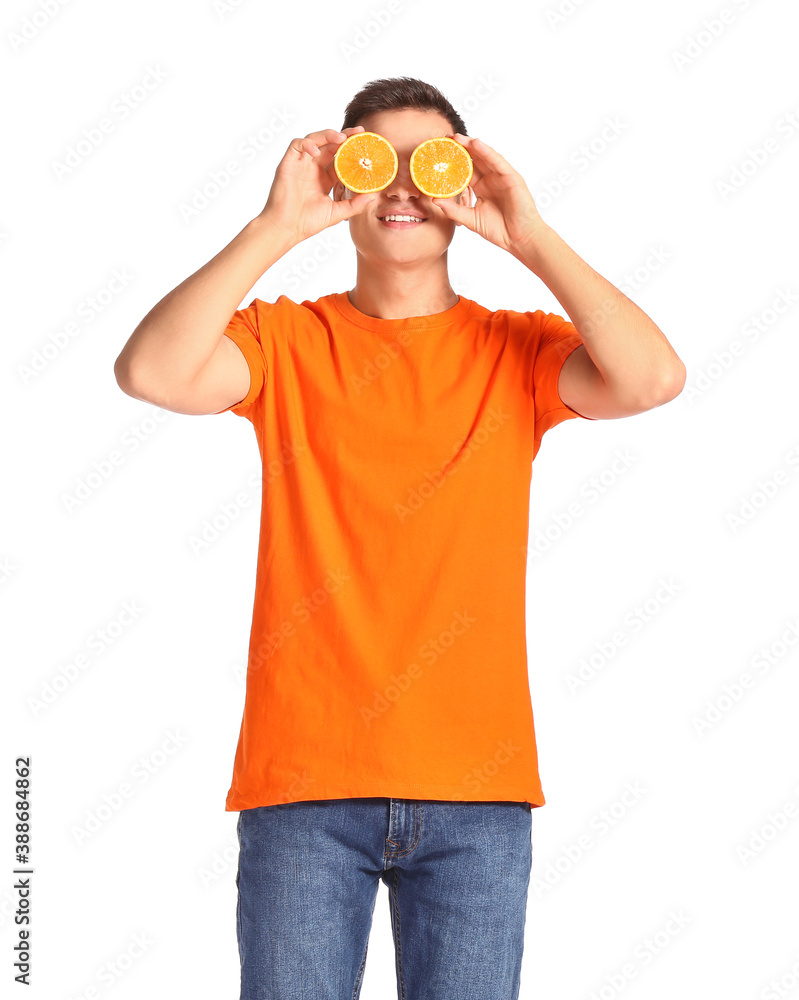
[
  {"x": 323, "y": 146},
  {"x": 465, "y": 140},
  {"x": 314, "y": 141},
  {"x": 331, "y": 135},
  {"x": 301, "y": 146},
  {"x": 483, "y": 155}
]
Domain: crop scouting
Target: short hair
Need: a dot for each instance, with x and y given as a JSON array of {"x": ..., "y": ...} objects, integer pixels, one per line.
[{"x": 396, "y": 94}]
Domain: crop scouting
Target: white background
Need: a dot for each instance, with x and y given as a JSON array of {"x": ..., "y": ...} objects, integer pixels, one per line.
[{"x": 650, "y": 212}]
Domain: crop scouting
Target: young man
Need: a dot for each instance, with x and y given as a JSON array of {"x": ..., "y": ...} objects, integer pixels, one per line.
[{"x": 388, "y": 729}]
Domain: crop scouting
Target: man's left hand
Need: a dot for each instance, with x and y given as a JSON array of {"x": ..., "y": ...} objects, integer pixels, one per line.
[{"x": 504, "y": 212}]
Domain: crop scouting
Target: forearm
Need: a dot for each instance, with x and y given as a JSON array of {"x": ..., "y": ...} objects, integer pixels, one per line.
[
  {"x": 629, "y": 350},
  {"x": 177, "y": 338}
]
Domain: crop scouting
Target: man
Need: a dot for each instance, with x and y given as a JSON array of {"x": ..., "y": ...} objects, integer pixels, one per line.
[{"x": 387, "y": 729}]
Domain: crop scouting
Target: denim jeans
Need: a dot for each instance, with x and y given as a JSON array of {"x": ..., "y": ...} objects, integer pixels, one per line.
[{"x": 457, "y": 875}]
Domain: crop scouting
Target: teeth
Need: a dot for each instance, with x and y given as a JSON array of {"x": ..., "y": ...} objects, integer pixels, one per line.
[{"x": 401, "y": 218}]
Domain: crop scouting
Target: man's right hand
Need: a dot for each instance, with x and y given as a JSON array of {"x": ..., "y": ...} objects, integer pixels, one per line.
[
  {"x": 299, "y": 202},
  {"x": 178, "y": 357}
]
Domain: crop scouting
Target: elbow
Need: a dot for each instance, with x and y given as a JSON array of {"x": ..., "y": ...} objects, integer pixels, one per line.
[
  {"x": 675, "y": 384},
  {"x": 127, "y": 380},
  {"x": 667, "y": 390},
  {"x": 664, "y": 391},
  {"x": 122, "y": 374}
]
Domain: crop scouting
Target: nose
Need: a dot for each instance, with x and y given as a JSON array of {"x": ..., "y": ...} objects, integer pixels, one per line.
[{"x": 402, "y": 186}]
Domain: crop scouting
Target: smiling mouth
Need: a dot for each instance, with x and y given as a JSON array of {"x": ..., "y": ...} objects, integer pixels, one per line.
[{"x": 406, "y": 220}]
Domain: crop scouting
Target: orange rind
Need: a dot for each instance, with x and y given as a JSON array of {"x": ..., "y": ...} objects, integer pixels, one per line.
[
  {"x": 366, "y": 162},
  {"x": 441, "y": 167}
]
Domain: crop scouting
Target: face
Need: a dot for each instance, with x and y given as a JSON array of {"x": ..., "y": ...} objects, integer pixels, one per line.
[{"x": 429, "y": 239}]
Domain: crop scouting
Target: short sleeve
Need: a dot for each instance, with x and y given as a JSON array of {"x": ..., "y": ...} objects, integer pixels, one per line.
[
  {"x": 556, "y": 340},
  {"x": 244, "y": 331}
]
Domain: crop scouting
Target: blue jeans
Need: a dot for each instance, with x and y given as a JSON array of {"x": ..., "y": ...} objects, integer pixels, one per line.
[{"x": 457, "y": 875}]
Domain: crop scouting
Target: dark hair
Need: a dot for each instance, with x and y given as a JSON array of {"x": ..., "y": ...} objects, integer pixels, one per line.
[{"x": 396, "y": 94}]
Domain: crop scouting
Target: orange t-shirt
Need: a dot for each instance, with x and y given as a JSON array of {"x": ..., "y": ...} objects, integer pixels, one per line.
[{"x": 388, "y": 648}]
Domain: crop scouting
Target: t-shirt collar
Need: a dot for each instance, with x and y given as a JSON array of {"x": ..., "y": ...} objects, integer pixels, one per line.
[{"x": 455, "y": 314}]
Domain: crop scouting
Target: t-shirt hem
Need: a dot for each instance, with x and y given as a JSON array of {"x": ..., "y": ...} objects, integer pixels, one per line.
[
  {"x": 401, "y": 789},
  {"x": 570, "y": 345}
]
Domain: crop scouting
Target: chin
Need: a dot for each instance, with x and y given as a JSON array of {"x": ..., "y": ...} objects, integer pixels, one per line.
[{"x": 379, "y": 251}]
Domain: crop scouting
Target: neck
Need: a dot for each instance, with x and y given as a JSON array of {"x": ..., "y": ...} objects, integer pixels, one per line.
[{"x": 396, "y": 291}]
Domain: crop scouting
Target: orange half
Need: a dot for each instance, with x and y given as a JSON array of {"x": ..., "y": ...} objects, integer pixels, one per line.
[
  {"x": 365, "y": 162},
  {"x": 441, "y": 168}
]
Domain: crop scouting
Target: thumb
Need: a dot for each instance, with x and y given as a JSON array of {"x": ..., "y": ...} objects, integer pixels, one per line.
[
  {"x": 348, "y": 207},
  {"x": 459, "y": 214}
]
